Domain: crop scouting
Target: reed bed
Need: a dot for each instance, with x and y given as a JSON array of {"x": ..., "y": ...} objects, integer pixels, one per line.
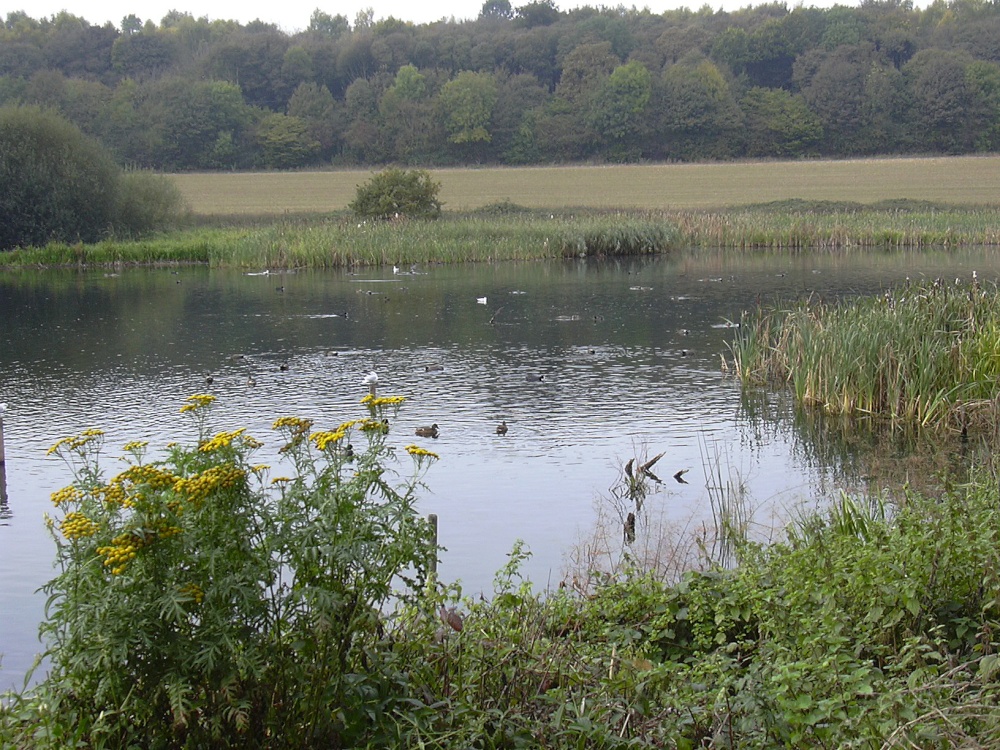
[
  {"x": 506, "y": 231},
  {"x": 334, "y": 243},
  {"x": 927, "y": 355},
  {"x": 797, "y": 225}
]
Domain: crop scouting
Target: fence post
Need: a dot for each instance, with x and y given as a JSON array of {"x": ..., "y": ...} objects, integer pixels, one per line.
[{"x": 432, "y": 519}]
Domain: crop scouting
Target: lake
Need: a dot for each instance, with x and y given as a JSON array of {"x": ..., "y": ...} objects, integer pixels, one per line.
[{"x": 629, "y": 353}]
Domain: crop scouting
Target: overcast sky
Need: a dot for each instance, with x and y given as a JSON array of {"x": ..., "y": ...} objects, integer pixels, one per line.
[{"x": 293, "y": 15}]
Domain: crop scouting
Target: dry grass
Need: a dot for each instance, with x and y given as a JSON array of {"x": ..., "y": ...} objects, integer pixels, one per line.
[{"x": 955, "y": 180}]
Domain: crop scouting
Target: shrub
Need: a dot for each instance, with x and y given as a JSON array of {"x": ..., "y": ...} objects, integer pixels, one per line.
[
  {"x": 147, "y": 202},
  {"x": 397, "y": 193}
]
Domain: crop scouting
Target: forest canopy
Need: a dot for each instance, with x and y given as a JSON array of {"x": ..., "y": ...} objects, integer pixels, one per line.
[{"x": 519, "y": 85}]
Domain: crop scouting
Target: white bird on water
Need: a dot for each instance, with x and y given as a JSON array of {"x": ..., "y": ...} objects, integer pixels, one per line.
[
  {"x": 481, "y": 300},
  {"x": 371, "y": 378}
]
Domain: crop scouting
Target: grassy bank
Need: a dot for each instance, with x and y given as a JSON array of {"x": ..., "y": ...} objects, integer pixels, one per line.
[{"x": 505, "y": 231}]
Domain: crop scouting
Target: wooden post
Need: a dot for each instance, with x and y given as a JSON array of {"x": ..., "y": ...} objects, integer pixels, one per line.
[{"x": 432, "y": 519}]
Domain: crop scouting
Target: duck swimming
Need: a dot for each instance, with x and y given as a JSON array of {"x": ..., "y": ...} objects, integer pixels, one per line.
[
  {"x": 502, "y": 428},
  {"x": 431, "y": 432}
]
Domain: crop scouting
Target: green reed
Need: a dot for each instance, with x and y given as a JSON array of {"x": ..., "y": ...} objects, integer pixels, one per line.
[
  {"x": 509, "y": 232},
  {"x": 923, "y": 355},
  {"x": 825, "y": 225}
]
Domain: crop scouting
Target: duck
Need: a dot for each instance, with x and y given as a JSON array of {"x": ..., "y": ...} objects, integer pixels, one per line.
[
  {"x": 251, "y": 381},
  {"x": 431, "y": 432},
  {"x": 283, "y": 367},
  {"x": 502, "y": 428},
  {"x": 209, "y": 379},
  {"x": 433, "y": 368},
  {"x": 534, "y": 378}
]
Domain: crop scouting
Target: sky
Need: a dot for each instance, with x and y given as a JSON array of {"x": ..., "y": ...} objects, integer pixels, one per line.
[{"x": 293, "y": 15}]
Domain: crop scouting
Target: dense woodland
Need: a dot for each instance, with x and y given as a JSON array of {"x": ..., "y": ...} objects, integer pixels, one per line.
[{"x": 519, "y": 85}]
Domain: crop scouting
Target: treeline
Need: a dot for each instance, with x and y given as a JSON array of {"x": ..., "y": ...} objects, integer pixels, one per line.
[{"x": 524, "y": 85}]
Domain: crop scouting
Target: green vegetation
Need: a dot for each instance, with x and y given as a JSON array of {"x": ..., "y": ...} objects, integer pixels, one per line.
[
  {"x": 923, "y": 355},
  {"x": 56, "y": 184},
  {"x": 507, "y": 231},
  {"x": 197, "y": 605},
  {"x": 326, "y": 243},
  {"x": 519, "y": 85},
  {"x": 398, "y": 194}
]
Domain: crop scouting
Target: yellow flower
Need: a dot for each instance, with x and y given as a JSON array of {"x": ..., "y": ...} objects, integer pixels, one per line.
[
  {"x": 295, "y": 424},
  {"x": 76, "y": 526},
  {"x": 417, "y": 452},
  {"x": 371, "y": 400},
  {"x": 135, "y": 445},
  {"x": 76, "y": 442},
  {"x": 279, "y": 480},
  {"x": 198, "y": 401},
  {"x": 71, "y": 494},
  {"x": 221, "y": 440},
  {"x": 324, "y": 440}
]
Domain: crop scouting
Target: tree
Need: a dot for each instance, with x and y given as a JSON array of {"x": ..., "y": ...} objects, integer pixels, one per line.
[
  {"x": 56, "y": 184},
  {"x": 618, "y": 111},
  {"x": 285, "y": 142},
  {"x": 467, "y": 103},
  {"x": 329, "y": 26},
  {"x": 496, "y": 10},
  {"x": 397, "y": 193},
  {"x": 779, "y": 124}
]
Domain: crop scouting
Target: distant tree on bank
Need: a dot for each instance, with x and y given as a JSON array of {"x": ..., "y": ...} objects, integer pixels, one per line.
[{"x": 57, "y": 184}]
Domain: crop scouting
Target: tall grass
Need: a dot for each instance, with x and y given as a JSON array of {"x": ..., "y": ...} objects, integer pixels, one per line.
[
  {"x": 927, "y": 354},
  {"x": 800, "y": 225},
  {"x": 342, "y": 242},
  {"x": 506, "y": 231}
]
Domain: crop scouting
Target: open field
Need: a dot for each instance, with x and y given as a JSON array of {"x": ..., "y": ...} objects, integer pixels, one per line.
[{"x": 957, "y": 180}]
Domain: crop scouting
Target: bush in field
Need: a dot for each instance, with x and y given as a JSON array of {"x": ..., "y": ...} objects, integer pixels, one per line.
[
  {"x": 197, "y": 606},
  {"x": 395, "y": 193},
  {"x": 57, "y": 184}
]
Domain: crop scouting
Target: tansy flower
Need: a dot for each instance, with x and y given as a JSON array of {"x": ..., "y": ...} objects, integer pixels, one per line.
[
  {"x": 76, "y": 526},
  {"x": 71, "y": 494},
  {"x": 324, "y": 440},
  {"x": 417, "y": 452},
  {"x": 371, "y": 400},
  {"x": 197, "y": 401}
]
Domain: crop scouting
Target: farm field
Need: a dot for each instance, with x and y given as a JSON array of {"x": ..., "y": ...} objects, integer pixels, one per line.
[{"x": 956, "y": 180}]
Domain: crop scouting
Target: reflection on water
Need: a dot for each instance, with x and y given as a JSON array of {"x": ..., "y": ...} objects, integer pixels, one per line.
[{"x": 629, "y": 352}]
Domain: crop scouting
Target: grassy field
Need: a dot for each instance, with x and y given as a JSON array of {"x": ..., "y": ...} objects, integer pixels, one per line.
[{"x": 954, "y": 180}]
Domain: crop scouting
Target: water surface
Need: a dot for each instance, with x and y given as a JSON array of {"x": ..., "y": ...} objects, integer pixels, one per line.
[{"x": 629, "y": 352}]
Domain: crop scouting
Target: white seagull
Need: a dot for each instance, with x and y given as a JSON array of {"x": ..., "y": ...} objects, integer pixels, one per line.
[
  {"x": 371, "y": 378},
  {"x": 481, "y": 300}
]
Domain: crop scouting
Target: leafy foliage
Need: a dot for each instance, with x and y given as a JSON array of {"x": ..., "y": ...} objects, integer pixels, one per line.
[
  {"x": 57, "y": 184},
  {"x": 398, "y": 193}
]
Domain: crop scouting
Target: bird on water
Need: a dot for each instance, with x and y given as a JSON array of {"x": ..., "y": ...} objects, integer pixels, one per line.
[
  {"x": 502, "y": 428},
  {"x": 431, "y": 431}
]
